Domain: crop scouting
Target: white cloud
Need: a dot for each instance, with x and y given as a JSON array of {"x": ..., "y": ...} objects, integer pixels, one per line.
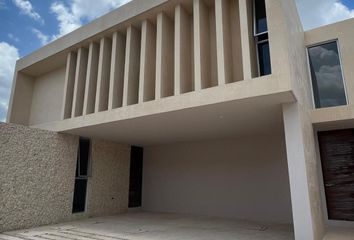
[
  {"x": 315, "y": 13},
  {"x": 26, "y": 8},
  {"x": 73, "y": 15},
  {"x": 9, "y": 54},
  {"x": 44, "y": 39}
]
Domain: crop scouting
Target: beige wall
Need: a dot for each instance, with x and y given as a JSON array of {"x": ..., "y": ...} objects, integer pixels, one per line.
[
  {"x": 234, "y": 178},
  {"x": 37, "y": 172},
  {"x": 48, "y": 92},
  {"x": 343, "y": 32}
]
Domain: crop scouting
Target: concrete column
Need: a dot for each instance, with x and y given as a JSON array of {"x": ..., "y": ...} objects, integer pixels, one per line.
[
  {"x": 247, "y": 40},
  {"x": 117, "y": 71},
  {"x": 183, "y": 48},
  {"x": 147, "y": 62},
  {"x": 104, "y": 68},
  {"x": 132, "y": 67},
  {"x": 69, "y": 85},
  {"x": 164, "y": 57},
  {"x": 299, "y": 185},
  {"x": 91, "y": 79},
  {"x": 80, "y": 81}
]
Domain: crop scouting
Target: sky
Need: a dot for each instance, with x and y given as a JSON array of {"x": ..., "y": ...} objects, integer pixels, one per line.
[{"x": 26, "y": 25}]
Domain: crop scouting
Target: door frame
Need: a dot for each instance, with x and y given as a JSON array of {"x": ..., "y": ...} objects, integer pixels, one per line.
[{"x": 329, "y": 222}]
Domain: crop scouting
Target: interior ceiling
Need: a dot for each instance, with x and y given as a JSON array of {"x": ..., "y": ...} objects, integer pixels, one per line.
[{"x": 231, "y": 119}]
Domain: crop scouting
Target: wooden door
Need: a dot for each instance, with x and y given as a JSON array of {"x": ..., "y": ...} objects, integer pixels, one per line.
[{"x": 337, "y": 157}]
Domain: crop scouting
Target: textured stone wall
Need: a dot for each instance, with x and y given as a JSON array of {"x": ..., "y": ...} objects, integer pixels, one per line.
[
  {"x": 37, "y": 174},
  {"x": 108, "y": 188},
  {"x": 37, "y": 170}
]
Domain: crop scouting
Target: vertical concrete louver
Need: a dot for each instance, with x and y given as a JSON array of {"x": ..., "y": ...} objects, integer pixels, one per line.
[
  {"x": 91, "y": 79},
  {"x": 147, "y": 76},
  {"x": 187, "y": 48},
  {"x": 69, "y": 85},
  {"x": 117, "y": 71}
]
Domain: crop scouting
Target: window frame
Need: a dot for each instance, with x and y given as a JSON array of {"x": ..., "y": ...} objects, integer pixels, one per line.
[
  {"x": 255, "y": 34},
  {"x": 336, "y": 40}
]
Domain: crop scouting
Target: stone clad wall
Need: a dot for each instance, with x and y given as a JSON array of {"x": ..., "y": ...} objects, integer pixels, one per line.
[
  {"x": 37, "y": 174},
  {"x": 37, "y": 170}
]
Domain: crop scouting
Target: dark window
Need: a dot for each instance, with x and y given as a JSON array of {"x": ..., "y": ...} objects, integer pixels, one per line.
[
  {"x": 82, "y": 170},
  {"x": 326, "y": 74},
  {"x": 260, "y": 17},
  {"x": 264, "y": 58},
  {"x": 79, "y": 195},
  {"x": 136, "y": 176},
  {"x": 261, "y": 38}
]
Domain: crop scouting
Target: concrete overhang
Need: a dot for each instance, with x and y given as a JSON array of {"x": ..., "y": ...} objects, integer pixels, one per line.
[{"x": 242, "y": 108}]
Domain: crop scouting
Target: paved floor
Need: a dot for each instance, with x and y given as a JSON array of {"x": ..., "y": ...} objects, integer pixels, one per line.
[
  {"x": 152, "y": 226},
  {"x": 340, "y": 234}
]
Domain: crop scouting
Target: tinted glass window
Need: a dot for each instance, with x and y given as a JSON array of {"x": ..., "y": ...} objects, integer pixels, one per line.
[
  {"x": 260, "y": 16},
  {"x": 264, "y": 58},
  {"x": 326, "y": 74}
]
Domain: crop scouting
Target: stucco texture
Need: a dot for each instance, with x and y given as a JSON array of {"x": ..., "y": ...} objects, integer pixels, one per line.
[
  {"x": 37, "y": 170},
  {"x": 108, "y": 188},
  {"x": 37, "y": 174}
]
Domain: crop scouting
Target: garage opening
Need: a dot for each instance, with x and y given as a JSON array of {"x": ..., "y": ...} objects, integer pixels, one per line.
[{"x": 234, "y": 178}]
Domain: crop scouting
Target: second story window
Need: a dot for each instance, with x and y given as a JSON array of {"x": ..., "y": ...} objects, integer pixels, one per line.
[
  {"x": 326, "y": 75},
  {"x": 261, "y": 37}
]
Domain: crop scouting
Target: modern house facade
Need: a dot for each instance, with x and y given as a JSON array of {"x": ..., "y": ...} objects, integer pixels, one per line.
[{"x": 223, "y": 108}]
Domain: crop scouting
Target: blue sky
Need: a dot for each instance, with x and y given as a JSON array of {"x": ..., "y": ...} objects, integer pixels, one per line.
[{"x": 27, "y": 25}]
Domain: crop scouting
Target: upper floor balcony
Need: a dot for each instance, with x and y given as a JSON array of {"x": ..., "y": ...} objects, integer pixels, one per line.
[{"x": 158, "y": 56}]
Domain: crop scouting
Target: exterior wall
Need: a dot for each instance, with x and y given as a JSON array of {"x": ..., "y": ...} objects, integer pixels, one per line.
[
  {"x": 48, "y": 91},
  {"x": 243, "y": 178},
  {"x": 37, "y": 173},
  {"x": 37, "y": 170}
]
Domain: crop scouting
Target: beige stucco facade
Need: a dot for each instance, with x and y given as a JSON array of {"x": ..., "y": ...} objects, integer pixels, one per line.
[{"x": 180, "y": 76}]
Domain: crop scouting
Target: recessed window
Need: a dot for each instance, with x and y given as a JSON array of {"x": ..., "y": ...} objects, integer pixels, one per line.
[
  {"x": 260, "y": 17},
  {"x": 81, "y": 176},
  {"x": 326, "y": 74},
  {"x": 261, "y": 37}
]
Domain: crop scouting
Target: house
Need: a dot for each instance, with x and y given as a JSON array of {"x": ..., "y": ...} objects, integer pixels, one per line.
[{"x": 223, "y": 108}]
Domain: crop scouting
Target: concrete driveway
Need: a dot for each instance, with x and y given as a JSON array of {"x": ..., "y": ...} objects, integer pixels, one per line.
[{"x": 153, "y": 226}]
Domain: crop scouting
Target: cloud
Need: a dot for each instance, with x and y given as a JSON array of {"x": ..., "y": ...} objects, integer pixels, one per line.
[
  {"x": 73, "y": 15},
  {"x": 9, "y": 54},
  {"x": 315, "y": 13},
  {"x": 26, "y": 8},
  {"x": 44, "y": 39}
]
